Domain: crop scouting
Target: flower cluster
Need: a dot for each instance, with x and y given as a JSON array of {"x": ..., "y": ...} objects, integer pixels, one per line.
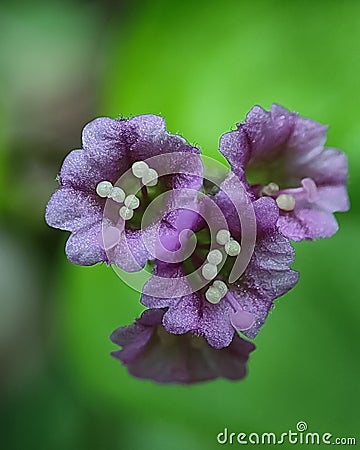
[{"x": 139, "y": 198}]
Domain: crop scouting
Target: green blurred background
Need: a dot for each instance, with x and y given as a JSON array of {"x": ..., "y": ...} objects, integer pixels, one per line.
[{"x": 202, "y": 65}]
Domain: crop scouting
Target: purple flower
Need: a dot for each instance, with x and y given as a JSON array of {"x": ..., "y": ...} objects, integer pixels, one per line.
[
  {"x": 223, "y": 304},
  {"x": 107, "y": 185},
  {"x": 151, "y": 353},
  {"x": 283, "y": 156}
]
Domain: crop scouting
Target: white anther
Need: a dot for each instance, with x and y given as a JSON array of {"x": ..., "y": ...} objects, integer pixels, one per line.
[
  {"x": 117, "y": 194},
  {"x": 209, "y": 271},
  {"x": 286, "y": 202},
  {"x": 104, "y": 188},
  {"x": 150, "y": 178},
  {"x": 126, "y": 213},
  {"x": 223, "y": 236},
  {"x": 215, "y": 257},
  {"x": 213, "y": 295},
  {"x": 232, "y": 247},
  {"x": 132, "y": 202},
  {"x": 139, "y": 169},
  {"x": 221, "y": 287},
  {"x": 270, "y": 189}
]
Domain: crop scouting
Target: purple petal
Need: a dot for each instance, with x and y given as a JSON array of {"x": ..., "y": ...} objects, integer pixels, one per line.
[
  {"x": 104, "y": 141},
  {"x": 82, "y": 173},
  {"x": 267, "y": 277},
  {"x": 83, "y": 247},
  {"x": 267, "y": 131},
  {"x": 72, "y": 210},
  {"x": 150, "y": 352},
  {"x": 214, "y": 323},
  {"x": 148, "y": 137},
  {"x": 266, "y": 213},
  {"x": 265, "y": 209},
  {"x": 255, "y": 305},
  {"x": 327, "y": 167},
  {"x": 307, "y": 136},
  {"x": 332, "y": 198},
  {"x": 308, "y": 223},
  {"x": 235, "y": 147},
  {"x": 183, "y": 316},
  {"x": 130, "y": 254},
  {"x": 192, "y": 313}
]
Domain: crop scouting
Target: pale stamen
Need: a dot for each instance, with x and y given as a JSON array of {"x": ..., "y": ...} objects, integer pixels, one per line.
[
  {"x": 126, "y": 213},
  {"x": 220, "y": 286},
  {"x": 213, "y": 295},
  {"x": 132, "y": 202},
  {"x": 139, "y": 169},
  {"x": 286, "y": 202},
  {"x": 209, "y": 271},
  {"x": 270, "y": 189},
  {"x": 223, "y": 236},
  {"x": 150, "y": 178},
  {"x": 215, "y": 257},
  {"x": 117, "y": 194},
  {"x": 104, "y": 188},
  {"x": 232, "y": 247}
]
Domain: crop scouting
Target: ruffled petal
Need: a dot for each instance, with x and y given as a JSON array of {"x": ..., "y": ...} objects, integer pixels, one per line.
[
  {"x": 73, "y": 210},
  {"x": 214, "y": 323},
  {"x": 285, "y": 148},
  {"x": 149, "y": 352},
  {"x": 307, "y": 137},
  {"x": 83, "y": 247},
  {"x": 267, "y": 277},
  {"x": 328, "y": 167},
  {"x": 333, "y": 198},
  {"x": 183, "y": 316},
  {"x": 149, "y": 138},
  {"x": 268, "y": 132},
  {"x": 104, "y": 141},
  {"x": 235, "y": 146},
  {"x": 192, "y": 313},
  {"x": 130, "y": 254},
  {"x": 308, "y": 223},
  {"x": 83, "y": 173}
]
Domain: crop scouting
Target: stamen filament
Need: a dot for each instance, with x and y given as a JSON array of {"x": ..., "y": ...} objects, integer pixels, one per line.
[
  {"x": 144, "y": 191},
  {"x": 240, "y": 319}
]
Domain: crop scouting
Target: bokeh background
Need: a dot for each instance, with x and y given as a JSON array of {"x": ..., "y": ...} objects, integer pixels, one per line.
[{"x": 202, "y": 65}]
